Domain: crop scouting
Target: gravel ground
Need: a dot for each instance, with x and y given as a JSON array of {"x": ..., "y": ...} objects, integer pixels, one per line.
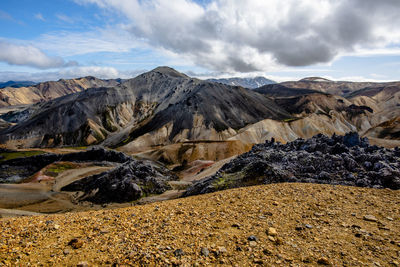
[{"x": 271, "y": 225}]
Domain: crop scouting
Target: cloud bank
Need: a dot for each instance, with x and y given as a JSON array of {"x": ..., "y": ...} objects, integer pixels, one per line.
[
  {"x": 245, "y": 36},
  {"x": 69, "y": 73},
  {"x": 27, "y": 55}
]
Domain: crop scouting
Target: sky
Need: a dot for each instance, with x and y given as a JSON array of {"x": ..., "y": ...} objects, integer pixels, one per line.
[{"x": 356, "y": 40}]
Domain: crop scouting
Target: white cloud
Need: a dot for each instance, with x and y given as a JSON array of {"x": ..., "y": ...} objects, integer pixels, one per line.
[
  {"x": 362, "y": 52},
  {"x": 39, "y": 16},
  {"x": 5, "y": 16},
  {"x": 27, "y": 55},
  {"x": 70, "y": 73},
  {"x": 65, "y": 18},
  {"x": 66, "y": 43},
  {"x": 244, "y": 36},
  {"x": 100, "y": 72}
]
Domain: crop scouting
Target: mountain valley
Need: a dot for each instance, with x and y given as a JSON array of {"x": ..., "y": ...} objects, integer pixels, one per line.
[{"x": 184, "y": 131}]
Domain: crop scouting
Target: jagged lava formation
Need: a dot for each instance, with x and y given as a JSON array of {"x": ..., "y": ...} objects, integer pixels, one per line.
[
  {"x": 128, "y": 180},
  {"x": 339, "y": 160}
]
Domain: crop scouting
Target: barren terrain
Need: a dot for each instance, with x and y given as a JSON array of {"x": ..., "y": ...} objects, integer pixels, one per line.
[{"x": 270, "y": 225}]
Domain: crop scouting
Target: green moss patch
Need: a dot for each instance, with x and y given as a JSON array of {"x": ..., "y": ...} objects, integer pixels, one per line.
[
  {"x": 18, "y": 154},
  {"x": 227, "y": 180},
  {"x": 56, "y": 168}
]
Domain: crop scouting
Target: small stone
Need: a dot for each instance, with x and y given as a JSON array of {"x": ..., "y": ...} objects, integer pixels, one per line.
[
  {"x": 56, "y": 226},
  {"x": 236, "y": 225},
  {"x": 179, "y": 253},
  {"x": 258, "y": 261},
  {"x": 370, "y": 218},
  {"x": 66, "y": 252},
  {"x": 83, "y": 264},
  {"x": 278, "y": 241},
  {"x": 272, "y": 231},
  {"x": 222, "y": 250},
  {"x": 204, "y": 252},
  {"x": 275, "y": 203},
  {"x": 252, "y": 243},
  {"x": 309, "y": 226},
  {"x": 389, "y": 218},
  {"x": 76, "y": 243},
  {"x": 252, "y": 238},
  {"x": 323, "y": 261},
  {"x": 267, "y": 251},
  {"x": 271, "y": 238}
]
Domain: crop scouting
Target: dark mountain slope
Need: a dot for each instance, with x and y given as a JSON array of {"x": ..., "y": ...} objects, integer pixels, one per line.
[
  {"x": 341, "y": 88},
  {"x": 139, "y": 106},
  {"x": 279, "y": 90},
  {"x": 387, "y": 130},
  {"x": 222, "y": 107},
  {"x": 383, "y": 91}
]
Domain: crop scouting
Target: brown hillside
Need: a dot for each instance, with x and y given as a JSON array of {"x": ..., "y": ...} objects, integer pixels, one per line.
[{"x": 271, "y": 225}]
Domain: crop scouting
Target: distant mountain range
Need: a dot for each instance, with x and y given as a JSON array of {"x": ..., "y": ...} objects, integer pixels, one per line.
[
  {"x": 164, "y": 107},
  {"x": 16, "y": 84},
  {"x": 245, "y": 82},
  {"x": 49, "y": 90},
  {"x": 158, "y": 107}
]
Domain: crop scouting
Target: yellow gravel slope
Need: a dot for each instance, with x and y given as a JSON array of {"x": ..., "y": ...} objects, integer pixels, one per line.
[{"x": 271, "y": 225}]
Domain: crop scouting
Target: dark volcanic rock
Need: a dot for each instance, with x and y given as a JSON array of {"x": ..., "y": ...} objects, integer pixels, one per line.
[
  {"x": 16, "y": 170},
  {"x": 97, "y": 154},
  {"x": 128, "y": 182},
  {"x": 344, "y": 160}
]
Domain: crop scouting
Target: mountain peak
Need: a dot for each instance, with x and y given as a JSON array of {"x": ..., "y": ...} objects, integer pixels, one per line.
[{"x": 169, "y": 71}]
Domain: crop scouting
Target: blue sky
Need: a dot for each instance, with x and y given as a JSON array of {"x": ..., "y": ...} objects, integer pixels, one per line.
[{"x": 282, "y": 40}]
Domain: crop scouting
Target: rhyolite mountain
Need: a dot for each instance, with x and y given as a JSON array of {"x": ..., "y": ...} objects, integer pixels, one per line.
[
  {"x": 164, "y": 107},
  {"x": 158, "y": 107},
  {"x": 251, "y": 83},
  {"x": 45, "y": 91},
  {"x": 342, "y": 88},
  {"x": 324, "y": 106}
]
